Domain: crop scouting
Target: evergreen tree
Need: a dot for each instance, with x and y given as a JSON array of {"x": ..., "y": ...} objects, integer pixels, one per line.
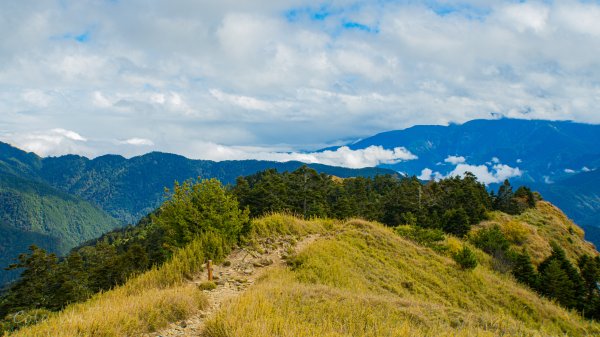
[
  {"x": 574, "y": 298},
  {"x": 525, "y": 197},
  {"x": 34, "y": 288},
  {"x": 465, "y": 258},
  {"x": 505, "y": 199},
  {"x": 555, "y": 283},
  {"x": 524, "y": 271},
  {"x": 456, "y": 221}
]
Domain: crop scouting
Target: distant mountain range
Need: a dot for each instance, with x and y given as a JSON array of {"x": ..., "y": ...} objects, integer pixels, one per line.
[
  {"x": 559, "y": 159},
  {"x": 60, "y": 202},
  {"x": 544, "y": 151}
]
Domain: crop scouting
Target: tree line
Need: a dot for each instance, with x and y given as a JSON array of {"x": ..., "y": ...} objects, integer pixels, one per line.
[{"x": 452, "y": 204}]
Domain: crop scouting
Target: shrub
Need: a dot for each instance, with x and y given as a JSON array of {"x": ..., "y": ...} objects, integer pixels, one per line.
[
  {"x": 424, "y": 236},
  {"x": 491, "y": 240},
  {"x": 466, "y": 258},
  {"x": 207, "y": 285}
]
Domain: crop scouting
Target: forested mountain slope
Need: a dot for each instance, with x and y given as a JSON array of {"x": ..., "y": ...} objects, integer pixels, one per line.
[{"x": 32, "y": 212}]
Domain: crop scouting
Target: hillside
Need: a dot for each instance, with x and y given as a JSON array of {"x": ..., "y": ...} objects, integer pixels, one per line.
[
  {"x": 534, "y": 230},
  {"x": 357, "y": 279},
  {"x": 35, "y": 213}
]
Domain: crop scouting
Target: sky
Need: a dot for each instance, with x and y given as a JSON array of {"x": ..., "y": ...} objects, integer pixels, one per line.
[{"x": 279, "y": 79}]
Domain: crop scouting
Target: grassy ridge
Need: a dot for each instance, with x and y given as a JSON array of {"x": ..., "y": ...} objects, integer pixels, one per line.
[
  {"x": 150, "y": 301},
  {"x": 536, "y": 228},
  {"x": 367, "y": 281}
]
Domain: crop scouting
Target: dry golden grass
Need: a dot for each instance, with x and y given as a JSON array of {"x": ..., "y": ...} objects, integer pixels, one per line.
[
  {"x": 153, "y": 299},
  {"x": 117, "y": 313},
  {"x": 536, "y": 228},
  {"x": 145, "y": 303},
  {"x": 367, "y": 281}
]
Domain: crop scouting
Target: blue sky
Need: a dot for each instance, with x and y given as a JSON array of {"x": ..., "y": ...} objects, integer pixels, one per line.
[{"x": 253, "y": 79}]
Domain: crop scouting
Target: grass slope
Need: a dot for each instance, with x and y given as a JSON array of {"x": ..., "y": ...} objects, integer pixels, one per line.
[
  {"x": 148, "y": 302},
  {"x": 359, "y": 279},
  {"x": 367, "y": 281},
  {"x": 537, "y": 227}
]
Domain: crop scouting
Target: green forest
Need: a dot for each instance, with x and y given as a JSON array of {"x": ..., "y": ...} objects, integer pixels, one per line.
[{"x": 220, "y": 216}]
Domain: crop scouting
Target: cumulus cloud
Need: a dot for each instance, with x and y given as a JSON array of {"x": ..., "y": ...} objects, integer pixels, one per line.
[
  {"x": 570, "y": 171},
  {"x": 486, "y": 174},
  {"x": 428, "y": 174},
  {"x": 489, "y": 173},
  {"x": 280, "y": 72},
  {"x": 343, "y": 156},
  {"x": 455, "y": 160}
]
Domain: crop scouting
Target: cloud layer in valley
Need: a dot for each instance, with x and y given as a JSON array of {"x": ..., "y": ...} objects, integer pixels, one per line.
[
  {"x": 58, "y": 142},
  {"x": 194, "y": 77},
  {"x": 489, "y": 173}
]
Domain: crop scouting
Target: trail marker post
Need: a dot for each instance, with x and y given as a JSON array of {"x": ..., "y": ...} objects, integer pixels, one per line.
[{"x": 210, "y": 270}]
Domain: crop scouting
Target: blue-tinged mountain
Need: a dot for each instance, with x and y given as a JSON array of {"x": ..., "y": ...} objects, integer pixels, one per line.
[
  {"x": 579, "y": 197},
  {"x": 558, "y": 158},
  {"x": 543, "y": 150}
]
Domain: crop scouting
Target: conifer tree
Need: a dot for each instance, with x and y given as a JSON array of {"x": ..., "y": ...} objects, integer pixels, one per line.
[
  {"x": 456, "y": 221},
  {"x": 524, "y": 271}
]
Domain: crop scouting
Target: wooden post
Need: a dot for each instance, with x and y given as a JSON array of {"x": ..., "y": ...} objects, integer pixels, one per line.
[{"x": 210, "y": 270}]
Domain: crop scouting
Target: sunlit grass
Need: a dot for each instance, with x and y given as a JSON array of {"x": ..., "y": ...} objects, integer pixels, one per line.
[
  {"x": 537, "y": 227},
  {"x": 366, "y": 281},
  {"x": 152, "y": 300}
]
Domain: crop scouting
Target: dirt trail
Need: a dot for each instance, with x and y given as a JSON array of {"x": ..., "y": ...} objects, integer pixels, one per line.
[{"x": 244, "y": 266}]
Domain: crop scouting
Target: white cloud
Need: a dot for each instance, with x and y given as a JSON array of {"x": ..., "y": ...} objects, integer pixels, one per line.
[
  {"x": 343, "y": 156},
  {"x": 585, "y": 169},
  {"x": 138, "y": 142},
  {"x": 570, "y": 171},
  {"x": 68, "y": 134},
  {"x": 526, "y": 15},
  {"x": 428, "y": 174},
  {"x": 266, "y": 72},
  {"x": 487, "y": 175},
  {"x": 454, "y": 160},
  {"x": 49, "y": 143}
]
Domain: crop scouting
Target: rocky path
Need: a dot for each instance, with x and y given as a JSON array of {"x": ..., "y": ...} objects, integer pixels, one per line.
[{"x": 240, "y": 271}]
